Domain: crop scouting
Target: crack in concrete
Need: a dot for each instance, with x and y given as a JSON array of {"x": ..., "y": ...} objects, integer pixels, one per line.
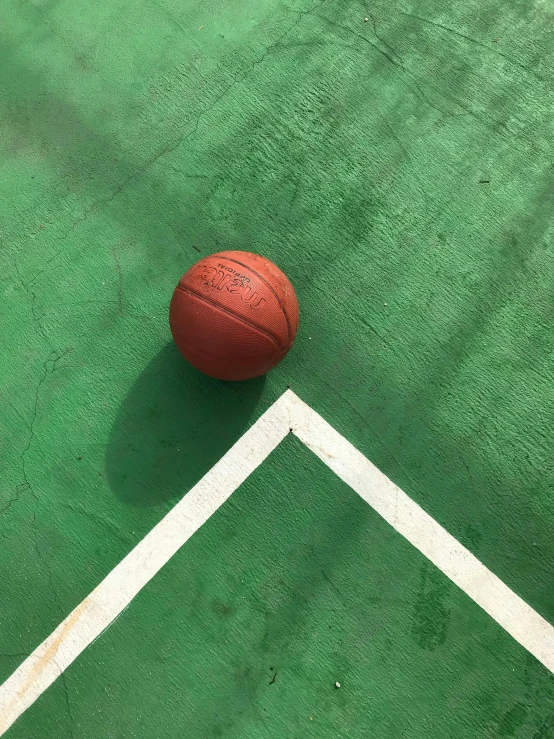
[
  {"x": 25, "y": 451},
  {"x": 54, "y": 358},
  {"x": 331, "y": 584},
  {"x": 43, "y": 270},
  {"x": 67, "y": 701},
  {"x": 491, "y": 49},
  {"x": 422, "y": 93},
  {"x": 394, "y": 58},
  {"x": 26, "y": 485},
  {"x": 48, "y": 569},
  {"x": 388, "y": 53},
  {"x": 172, "y": 147},
  {"x": 32, "y": 294},
  {"x": 444, "y": 113}
]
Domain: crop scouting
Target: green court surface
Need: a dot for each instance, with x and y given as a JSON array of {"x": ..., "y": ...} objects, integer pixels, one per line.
[{"x": 396, "y": 161}]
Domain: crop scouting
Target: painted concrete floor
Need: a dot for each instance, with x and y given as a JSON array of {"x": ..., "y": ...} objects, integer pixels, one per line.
[{"x": 396, "y": 162}]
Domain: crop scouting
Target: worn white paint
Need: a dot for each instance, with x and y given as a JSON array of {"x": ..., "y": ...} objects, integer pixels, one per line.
[
  {"x": 289, "y": 413},
  {"x": 117, "y": 590}
]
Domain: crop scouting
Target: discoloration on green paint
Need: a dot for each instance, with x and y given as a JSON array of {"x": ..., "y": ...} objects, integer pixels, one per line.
[
  {"x": 513, "y": 720},
  {"x": 431, "y": 615},
  {"x": 546, "y": 730}
]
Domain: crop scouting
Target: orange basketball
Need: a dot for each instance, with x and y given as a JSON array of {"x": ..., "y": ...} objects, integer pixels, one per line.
[{"x": 234, "y": 315}]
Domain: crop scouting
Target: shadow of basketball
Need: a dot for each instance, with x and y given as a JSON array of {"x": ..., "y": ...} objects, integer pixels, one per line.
[{"x": 174, "y": 425}]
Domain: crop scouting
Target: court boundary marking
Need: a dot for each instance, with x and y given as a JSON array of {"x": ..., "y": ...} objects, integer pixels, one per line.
[{"x": 287, "y": 415}]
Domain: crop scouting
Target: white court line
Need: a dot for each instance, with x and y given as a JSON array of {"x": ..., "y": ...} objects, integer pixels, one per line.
[
  {"x": 117, "y": 590},
  {"x": 289, "y": 413},
  {"x": 527, "y": 627}
]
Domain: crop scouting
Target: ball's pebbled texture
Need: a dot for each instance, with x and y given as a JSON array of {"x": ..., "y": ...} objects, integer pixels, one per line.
[{"x": 234, "y": 315}]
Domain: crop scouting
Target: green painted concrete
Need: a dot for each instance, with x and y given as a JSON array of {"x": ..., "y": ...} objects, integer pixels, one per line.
[
  {"x": 321, "y": 591},
  {"x": 399, "y": 170}
]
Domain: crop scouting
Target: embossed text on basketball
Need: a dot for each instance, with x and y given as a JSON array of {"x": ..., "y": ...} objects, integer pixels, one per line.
[{"x": 229, "y": 279}]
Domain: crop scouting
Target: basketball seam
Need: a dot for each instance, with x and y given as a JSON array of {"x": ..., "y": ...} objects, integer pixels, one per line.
[
  {"x": 234, "y": 315},
  {"x": 210, "y": 356},
  {"x": 246, "y": 266}
]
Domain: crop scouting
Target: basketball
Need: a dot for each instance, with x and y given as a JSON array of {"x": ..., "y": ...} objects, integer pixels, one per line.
[{"x": 234, "y": 315}]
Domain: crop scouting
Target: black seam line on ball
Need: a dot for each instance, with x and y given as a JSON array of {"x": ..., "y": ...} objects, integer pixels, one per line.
[
  {"x": 236, "y": 261},
  {"x": 267, "y": 333}
]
